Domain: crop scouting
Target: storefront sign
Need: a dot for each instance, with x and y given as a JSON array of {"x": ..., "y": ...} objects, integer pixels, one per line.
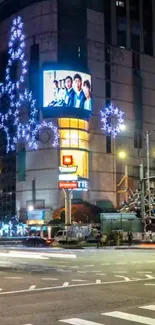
[
  {"x": 68, "y": 177},
  {"x": 68, "y": 170},
  {"x": 67, "y": 185}
]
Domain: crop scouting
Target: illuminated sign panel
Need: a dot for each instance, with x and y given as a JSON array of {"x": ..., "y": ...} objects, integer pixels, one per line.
[
  {"x": 80, "y": 159},
  {"x": 66, "y": 93},
  {"x": 68, "y": 177},
  {"x": 68, "y": 170},
  {"x": 67, "y": 185},
  {"x": 67, "y": 160}
]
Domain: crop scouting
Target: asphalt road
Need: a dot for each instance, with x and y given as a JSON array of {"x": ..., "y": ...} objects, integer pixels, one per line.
[{"x": 98, "y": 287}]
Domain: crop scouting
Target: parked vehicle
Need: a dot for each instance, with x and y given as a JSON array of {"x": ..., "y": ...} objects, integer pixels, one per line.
[{"x": 35, "y": 242}]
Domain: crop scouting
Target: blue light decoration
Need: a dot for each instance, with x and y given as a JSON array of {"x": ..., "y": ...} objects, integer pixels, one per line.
[
  {"x": 14, "y": 97},
  {"x": 106, "y": 116}
]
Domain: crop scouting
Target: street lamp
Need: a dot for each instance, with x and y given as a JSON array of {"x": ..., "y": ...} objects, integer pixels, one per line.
[
  {"x": 122, "y": 154},
  {"x": 30, "y": 208}
]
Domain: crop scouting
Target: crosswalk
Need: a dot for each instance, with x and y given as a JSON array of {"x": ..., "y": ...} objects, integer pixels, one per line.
[{"x": 129, "y": 318}]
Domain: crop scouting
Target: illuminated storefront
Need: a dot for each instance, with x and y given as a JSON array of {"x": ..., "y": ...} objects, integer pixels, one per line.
[{"x": 74, "y": 139}]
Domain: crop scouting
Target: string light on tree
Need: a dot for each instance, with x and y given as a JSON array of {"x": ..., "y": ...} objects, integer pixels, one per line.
[
  {"x": 107, "y": 115},
  {"x": 14, "y": 97}
]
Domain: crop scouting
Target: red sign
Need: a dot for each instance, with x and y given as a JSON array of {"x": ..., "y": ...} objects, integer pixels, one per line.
[
  {"x": 67, "y": 160},
  {"x": 68, "y": 185}
]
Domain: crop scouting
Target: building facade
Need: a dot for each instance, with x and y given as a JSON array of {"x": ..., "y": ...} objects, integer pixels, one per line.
[{"x": 113, "y": 41}]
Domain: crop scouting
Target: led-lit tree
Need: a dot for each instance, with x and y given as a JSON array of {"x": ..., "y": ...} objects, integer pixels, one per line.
[{"x": 18, "y": 112}]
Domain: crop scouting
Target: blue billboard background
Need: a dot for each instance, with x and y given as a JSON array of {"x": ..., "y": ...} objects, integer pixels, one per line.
[{"x": 66, "y": 93}]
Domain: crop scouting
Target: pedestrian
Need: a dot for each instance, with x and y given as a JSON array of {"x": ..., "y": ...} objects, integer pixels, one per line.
[
  {"x": 98, "y": 238},
  {"x": 130, "y": 236}
]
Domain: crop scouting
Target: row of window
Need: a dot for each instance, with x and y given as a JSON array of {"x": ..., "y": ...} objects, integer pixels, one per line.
[
  {"x": 74, "y": 139},
  {"x": 73, "y": 123},
  {"x": 138, "y": 16}
]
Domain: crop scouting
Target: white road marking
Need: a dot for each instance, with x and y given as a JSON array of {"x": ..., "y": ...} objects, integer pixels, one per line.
[
  {"x": 78, "y": 321},
  {"x": 91, "y": 265},
  {"x": 95, "y": 271},
  {"x": 74, "y": 267},
  {"x": 71, "y": 286},
  {"x": 131, "y": 317},
  {"x": 82, "y": 271},
  {"x": 100, "y": 274},
  {"x": 32, "y": 287},
  {"x": 65, "y": 284},
  {"x": 136, "y": 262},
  {"x": 98, "y": 281},
  {"x": 121, "y": 263},
  {"x": 143, "y": 272},
  {"x": 150, "y": 307},
  {"x": 13, "y": 277},
  {"x": 20, "y": 255},
  {"x": 119, "y": 271},
  {"x": 78, "y": 280},
  {"x": 149, "y": 284},
  {"x": 149, "y": 261},
  {"x": 106, "y": 264},
  {"x": 49, "y": 279},
  {"x": 124, "y": 277},
  {"x": 149, "y": 276}
]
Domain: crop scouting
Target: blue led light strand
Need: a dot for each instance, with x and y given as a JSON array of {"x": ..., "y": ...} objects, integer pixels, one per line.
[
  {"x": 18, "y": 97},
  {"x": 107, "y": 114}
]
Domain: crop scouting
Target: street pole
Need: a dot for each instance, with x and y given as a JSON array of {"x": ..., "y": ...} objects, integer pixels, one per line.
[
  {"x": 142, "y": 197},
  {"x": 148, "y": 172},
  {"x": 68, "y": 203},
  {"x": 126, "y": 183}
]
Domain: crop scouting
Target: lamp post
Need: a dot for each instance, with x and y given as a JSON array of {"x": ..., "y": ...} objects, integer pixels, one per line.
[
  {"x": 148, "y": 170},
  {"x": 123, "y": 155}
]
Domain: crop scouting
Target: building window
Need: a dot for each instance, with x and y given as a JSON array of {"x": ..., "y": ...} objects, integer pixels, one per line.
[
  {"x": 120, "y": 4},
  {"x": 135, "y": 61},
  {"x": 74, "y": 139},
  {"x": 108, "y": 144},
  {"x": 138, "y": 140},
  {"x": 107, "y": 21},
  {"x": 121, "y": 38},
  {"x": 148, "y": 27},
  {"x": 107, "y": 71},
  {"x": 72, "y": 37},
  {"x": 108, "y": 89},
  {"x": 73, "y": 123}
]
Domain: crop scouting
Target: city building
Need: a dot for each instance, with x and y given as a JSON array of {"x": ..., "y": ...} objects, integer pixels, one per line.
[{"x": 112, "y": 43}]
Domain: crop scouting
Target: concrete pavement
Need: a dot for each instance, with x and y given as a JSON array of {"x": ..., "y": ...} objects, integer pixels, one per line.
[{"x": 99, "y": 287}]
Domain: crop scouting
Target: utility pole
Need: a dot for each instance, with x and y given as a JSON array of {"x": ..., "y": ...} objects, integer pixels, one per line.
[
  {"x": 148, "y": 171},
  {"x": 142, "y": 196},
  {"x": 68, "y": 204}
]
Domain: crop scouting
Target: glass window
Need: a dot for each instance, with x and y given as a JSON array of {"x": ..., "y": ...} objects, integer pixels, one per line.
[
  {"x": 74, "y": 139},
  {"x": 64, "y": 122},
  {"x": 80, "y": 159},
  {"x": 73, "y": 123},
  {"x": 108, "y": 144}
]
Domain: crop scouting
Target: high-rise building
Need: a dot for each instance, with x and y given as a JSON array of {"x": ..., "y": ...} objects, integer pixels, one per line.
[{"x": 113, "y": 44}]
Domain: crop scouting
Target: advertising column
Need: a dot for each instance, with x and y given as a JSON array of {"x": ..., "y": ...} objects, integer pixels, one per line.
[{"x": 67, "y": 96}]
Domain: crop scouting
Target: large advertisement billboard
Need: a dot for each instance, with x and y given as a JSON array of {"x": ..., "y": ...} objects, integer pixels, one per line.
[{"x": 66, "y": 93}]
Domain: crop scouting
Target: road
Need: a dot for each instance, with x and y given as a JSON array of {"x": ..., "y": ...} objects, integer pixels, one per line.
[{"x": 99, "y": 287}]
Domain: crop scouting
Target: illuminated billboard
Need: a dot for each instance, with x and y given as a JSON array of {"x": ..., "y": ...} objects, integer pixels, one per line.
[{"x": 66, "y": 93}]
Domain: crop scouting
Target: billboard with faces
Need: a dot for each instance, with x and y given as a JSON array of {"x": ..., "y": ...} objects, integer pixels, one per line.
[{"x": 67, "y": 93}]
